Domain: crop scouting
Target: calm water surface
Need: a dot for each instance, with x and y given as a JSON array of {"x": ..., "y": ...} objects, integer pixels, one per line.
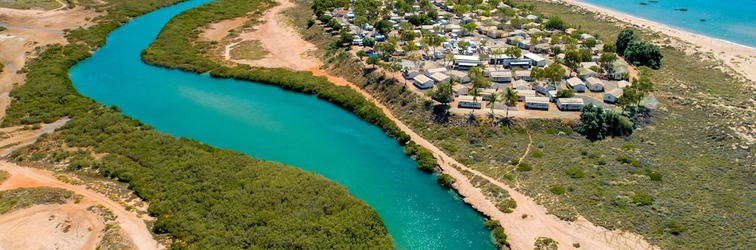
[{"x": 272, "y": 124}]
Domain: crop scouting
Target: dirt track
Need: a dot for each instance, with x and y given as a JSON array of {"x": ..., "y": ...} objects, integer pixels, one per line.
[
  {"x": 287, "y": 49},
  {"x": 132, "y": 227},
  {"x": 68, "y": 226}
]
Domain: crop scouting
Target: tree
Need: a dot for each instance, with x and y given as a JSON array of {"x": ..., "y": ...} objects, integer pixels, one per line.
[
  {"x": 492, "y": 99},
  {"x": 509, "y": 98},
  {"x": 475, "y": 93},
  {"x": 361, "y": 54},
  {"x": 360, "y": 21},
  {"x": 610, "y": 48},
  {"x": 406, "y": 26},
  {"x": 410, "y": 47},
  {"x": 407, "y": 35},
  {"x": 345, "y": 38},
  {"x": 368, "y": 42},
  {"x": 644, "y": 54},
  {"x": 595, "y": 124},
  {"x": 543, "y": 243},
  {"x": 629, "y": 97},
  {"x": 624, "y": 39},
  {"x": 384, "y": 26},
  {"x": 373, "y": 60},
  {"x": 469, "y": 27},
  {"x": 415, "y": 58},
  {"x": 556, "y": 50},
  {"x": 433, "y": 41},
  {"x": 448, "y": 57},
  {"x": 565, "y": 93},
  {"x": 589, "y": 43},
  {"x": 444, "y": 94},
  {"x": 394, "y": 67},
  {"x": 572, "y": 58},
  {"x": 445, "y": 180},
  {"x": 496, "y": 53},
  {"x": 516, "y": 22},
  {"x": 606, "y": 59},
  {"x": 556, "y": 23},
  {"x": 513, "y": 51}
]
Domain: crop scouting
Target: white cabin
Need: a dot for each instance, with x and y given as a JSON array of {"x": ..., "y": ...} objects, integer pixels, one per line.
[
  {"x": 466, "y": 101},
  {"x": 594, "y": 84},
  {"x": 576, "y": 84},
  {"x": 537, "y": 103},
  {"x": 423, "y": 82},
  {"x": 570, "y": 104},
  {"x": 613, "y": 96}
]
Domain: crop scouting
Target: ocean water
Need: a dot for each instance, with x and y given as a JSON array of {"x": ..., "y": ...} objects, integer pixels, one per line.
[
  {"x": 269, "y": 123},
  {"x": 733, "y": 20}
]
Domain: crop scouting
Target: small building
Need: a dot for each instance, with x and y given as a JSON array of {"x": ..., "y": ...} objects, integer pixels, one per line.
[
  {"x": 521, "y": 85},
  {"x": 552, "y": 95},
  {"x": 423, "y": 82},
  {"x": 595, "y": 84},
  {"x": 535, "y": 59},
  {"x": 520, "y": 63},
  {"x": 537, "y": 103},
  {"x": 576, "y": 84},
  {"x": 523, "y": 44},
  {"x": 584, "y": 73},
  {"x": 461, "y": 77},
  {"x": 440, "y": 78},
  {"x": 501, "y": 76},
  {"x": 522, "y": 94},
  {"x": 430, "y": 72},
  {"x": 542, "y": 48},
  {"x": 622, "y": 84},
  {"x": 613, "y": 96},
  {"x": 588, "y": 65},
  {"x": 460, "y": 90},
  {"x": 410, "y": 74},
  {"x": 463, "y": 62},
  {"x": 618, "y": 72},
  {"x": 513, "y": 40},
  {"x": 586, "y": 36},
  {"x": 485, "y": 93},
  {"x": 522, "y": 75},
  {"x": 570, "y": 104},
  {"x": 544, "y": 88},
  {"x": 357, "y": 41},
  {"x": 466, "y": 101}
]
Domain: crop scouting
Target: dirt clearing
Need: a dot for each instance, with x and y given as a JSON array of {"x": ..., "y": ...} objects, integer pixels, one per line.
[{"x": 68, "y": 226}]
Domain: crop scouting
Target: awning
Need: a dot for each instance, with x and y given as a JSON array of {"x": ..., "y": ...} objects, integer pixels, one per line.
[{"x": 468, "y": 64}]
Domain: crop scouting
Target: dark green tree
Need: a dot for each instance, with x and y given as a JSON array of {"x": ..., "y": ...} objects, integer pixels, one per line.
[
  {"x": 624, "y": 39},
  {"x": 644, "y": 54}
]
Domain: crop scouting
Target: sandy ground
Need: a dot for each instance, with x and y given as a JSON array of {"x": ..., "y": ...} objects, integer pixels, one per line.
[
  {"x": 68, "y": 226},
  {"x": 740, "y": 58},
  {"x": 287, "y": 49},
  {"x": 15, "y": 137},
  {"x": 131, "y": 226},
  {"x": 28, "y": 29}
]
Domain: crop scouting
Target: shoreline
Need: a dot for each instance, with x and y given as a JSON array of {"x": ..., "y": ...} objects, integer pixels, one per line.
[{"x": 740, "y": 58}]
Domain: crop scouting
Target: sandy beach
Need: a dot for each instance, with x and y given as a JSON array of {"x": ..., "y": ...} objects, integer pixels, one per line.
[{"x": 740, "y": 58}]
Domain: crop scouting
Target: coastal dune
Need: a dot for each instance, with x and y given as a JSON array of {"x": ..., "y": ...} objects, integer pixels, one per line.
[{"x": 740, "y": 58}]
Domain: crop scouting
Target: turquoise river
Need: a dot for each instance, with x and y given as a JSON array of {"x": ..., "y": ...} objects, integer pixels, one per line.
[{"x": 269, "y": 123}]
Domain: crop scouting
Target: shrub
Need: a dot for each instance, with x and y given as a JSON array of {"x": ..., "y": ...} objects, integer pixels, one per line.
[
  {"x": 575, "y": 173},
  {"x": 653, "y": 175},
  {"x": 445, "y": 180},
  {"x": 557, "y": 190},
  {"x": 544, "y": 243},
  {"x": 674, "y": 227},
  {"x": 524, "y": 167},
  {"x": 628, "y": 147},
  {"x": 628, "y": 160},
  {"x": 537, "y": 154},
  {"x": 576, "y": 245},
  {"x": 642, "y": 199},
  {"x": 500, "y": 238}
]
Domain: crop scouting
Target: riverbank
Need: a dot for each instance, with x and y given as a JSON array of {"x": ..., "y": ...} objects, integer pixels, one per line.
[
  {"x": 741, "y": 58},
  {"x": 521, "y": 232}
]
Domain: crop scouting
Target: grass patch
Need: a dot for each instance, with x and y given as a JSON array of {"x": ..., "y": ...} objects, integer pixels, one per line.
[
  {"x": 248, "y": 50},
  {"x": 30, "y": 4},
  {"x": 14, "y": 199},
  {"x": 557, "y": 190},
  {"x": 3, "y": 176}
]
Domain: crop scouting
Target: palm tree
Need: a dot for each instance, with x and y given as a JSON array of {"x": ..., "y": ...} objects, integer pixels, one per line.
[
  {"x": 509, "y": 98},
  {"x": 475, "y": 95},
  {"x": 492, "y": 99}
]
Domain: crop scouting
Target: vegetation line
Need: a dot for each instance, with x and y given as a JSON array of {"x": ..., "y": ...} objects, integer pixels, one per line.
[{"x": 203, "y": 197}]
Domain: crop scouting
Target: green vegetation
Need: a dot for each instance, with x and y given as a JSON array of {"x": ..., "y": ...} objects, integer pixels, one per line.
[
  {"x": 445, "y": 180},
  {"x": 642, "y": 199},
  {"x": 544, "y": 243},
  {"x": 638, "y": 53},
  {"x": 574, "y": 173},
  {"x": 497, "y": 231},
  {"x": 271, "y": 205},
  {"x": 30, "y": 4},
  {"x": 597, "y": 124},
  {"x": 248, "y": 50},
  {"x": 557, "y": 190},
  {"x": 3, "y": 176},
  {"x": 19, "y": 198}
]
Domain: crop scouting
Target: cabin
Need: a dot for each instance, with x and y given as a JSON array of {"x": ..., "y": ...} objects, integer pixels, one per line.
[
  {"x": 463, "y": 62},
  {"x": 357, "y": 41},
  {"x": 520, "y": 63},
  {"x": 576, "y": 84},
  {"x": 486, "y": 93},
  {"x": 618, "y": 72},
  {"x": 544, "y": 88},
  {"x": 423, "y": 82},
  {"x": 570, "y": 104},
  {"x": 594, "y": 84},
  {"x": 460, "y": 90},
  {"x": 523, "y": 44},
  {"x": 588, "y": 65},
  {"x": 537, "y": 103},
  {"x": 622, "y": 84},
  {"x": 501, "y": 76},
  {"x": 584, "y": 73},
  {"x": 522, "y": 75},
  {"x": 552, "y": 95},
  {"x": 410, "y": 74},
  {"x": 513, "y": 40},
  {"x": 521, "y": 85},
  {"x": 466, "y": 101},
  {"x": 536, "y": 60},
  {"x": 440, "y": 78},
  {"x": 522, "y": 94},
  {"x": 613, "y": 96},
  {"x": 542, "y": 48},
  {"x": 430, "y": 72},
  {"x": 461, "y": 77}
]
